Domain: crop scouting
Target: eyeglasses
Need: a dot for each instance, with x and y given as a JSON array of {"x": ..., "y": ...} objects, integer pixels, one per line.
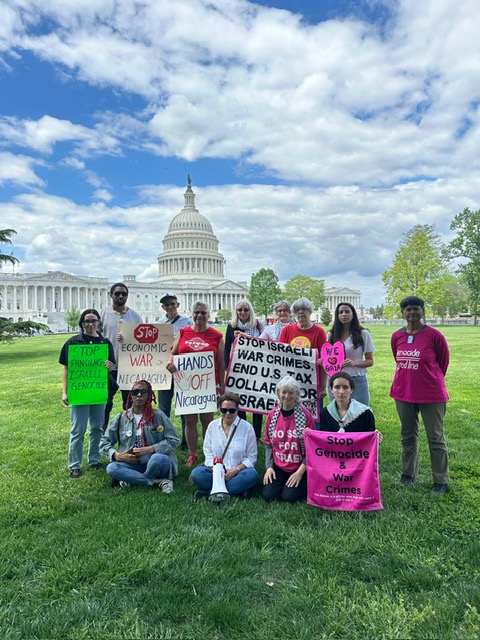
[
  {"x": 120, "y": 294},
  {"x": 90, "y": 321},
  {"x": 200, "y": 313},
  {"x": 282, "y": 310},
  {"x": 225, "y": 410},
  {"x": 139, "y": 392},
  {"x": 243, "y": 310}
]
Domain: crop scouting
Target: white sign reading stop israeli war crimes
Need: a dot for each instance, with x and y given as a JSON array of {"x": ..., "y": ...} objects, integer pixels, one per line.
[
  {"x": 143, "y": 354},
  {"x": 257, "y": 365},
  {"x": 195, "y": 386}
]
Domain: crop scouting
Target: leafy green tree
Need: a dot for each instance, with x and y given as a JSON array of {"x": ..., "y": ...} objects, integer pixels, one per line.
[
  {"x": 305, "y": 287},
  {"x": 264, "y": 291},
  {"x": 418, "y": 268},
  {"x": 466, "y": 245},
  {"x": 224, "y": 315},
  {"x": 326, "y": 317},
  {"x": 72, "y": 316},
  {"x": 5, "y": 238},
  {"x": 453, "y": 297},
  {"x": 10, "y": 330}
]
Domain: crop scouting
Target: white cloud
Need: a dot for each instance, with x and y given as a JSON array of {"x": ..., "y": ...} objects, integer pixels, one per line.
[
  {"x": 370, "y": 131},
  {"x": 18, "y": 169}
]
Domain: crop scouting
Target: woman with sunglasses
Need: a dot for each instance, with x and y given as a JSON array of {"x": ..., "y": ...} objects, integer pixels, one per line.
[
  {"x": 244, "y": 322},
  {"x": 285, "y": 478},
  {"x": 82, "y": 415},
  {"x": 146, "y": 443},
  {"x": 195, "y": 339},
  {"x": 240, "y": 456}
]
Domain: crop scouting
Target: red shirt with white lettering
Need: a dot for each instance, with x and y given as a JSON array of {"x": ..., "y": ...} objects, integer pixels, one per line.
[{"x": 197, "y": 341}]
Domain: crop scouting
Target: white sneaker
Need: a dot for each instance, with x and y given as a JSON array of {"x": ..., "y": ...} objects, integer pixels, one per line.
[
  {"x": 166, "y": 485},
  {"x": 124, "y": 484}
]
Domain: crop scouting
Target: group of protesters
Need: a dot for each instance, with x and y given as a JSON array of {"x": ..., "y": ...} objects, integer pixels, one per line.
[{"x": 140, "y": 441}]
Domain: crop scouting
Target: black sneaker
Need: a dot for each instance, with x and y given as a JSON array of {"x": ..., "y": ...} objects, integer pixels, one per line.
[
  {"x": 74, "y": 473},
  {"x": 98, "y": 466},
  {"x": 201, "y": 494},
  {"x": 406, "y": 480},
  {"x": 439, "y": 489}
]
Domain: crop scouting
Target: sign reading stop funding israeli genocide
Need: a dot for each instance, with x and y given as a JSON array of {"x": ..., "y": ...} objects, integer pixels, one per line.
[
  {"x": 256, "y": 366},
  {"x": 195, "y": 386},
  {"x": 87, "y": 374},
  {"x": 342, "y": 470},
  {"x": 143, "y": 354}
]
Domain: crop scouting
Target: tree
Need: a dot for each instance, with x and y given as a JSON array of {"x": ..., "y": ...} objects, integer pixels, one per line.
[
  {"x": 326, "y": 316},
  {"x": 305, "y": 287},
  {"x": 72, "y": 316},
  {"x": 5, "y": 239},
  {"x": 264, "y": 291},
  {"x": 418, "y": 268},
  {"x": 453, "y": 298},
  {"x": 224, "y": 315},
  {"x": 466, "y": 245},
  {"x": 10, "y": 330}
]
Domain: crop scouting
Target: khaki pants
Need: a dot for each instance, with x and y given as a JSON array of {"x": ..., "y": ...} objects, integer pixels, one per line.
[{"x": 432, "y": 416}]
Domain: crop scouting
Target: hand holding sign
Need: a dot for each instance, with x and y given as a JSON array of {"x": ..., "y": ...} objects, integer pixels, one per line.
[{"x": 333, "y": 356}]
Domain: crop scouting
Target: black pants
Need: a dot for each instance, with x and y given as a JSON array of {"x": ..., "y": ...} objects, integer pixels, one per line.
[
  {"x": 277, "y": 489},
  {"x": 257, "y": 419},
  {"x": 112, "y": 390}
]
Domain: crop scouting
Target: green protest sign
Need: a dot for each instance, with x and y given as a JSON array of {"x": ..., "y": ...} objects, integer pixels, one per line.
[{"x": 87, "y": 374}]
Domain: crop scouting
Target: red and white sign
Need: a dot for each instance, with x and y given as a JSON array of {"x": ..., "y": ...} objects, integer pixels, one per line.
[{"x": 143, "y": 354}]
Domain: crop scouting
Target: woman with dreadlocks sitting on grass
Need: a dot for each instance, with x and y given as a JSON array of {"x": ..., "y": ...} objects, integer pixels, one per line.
[{"x": 146, "y": 442}]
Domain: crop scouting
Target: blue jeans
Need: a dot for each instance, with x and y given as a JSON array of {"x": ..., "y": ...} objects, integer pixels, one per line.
[
  {"x": 82, "y": 415},
  {"x": 244, "y": 480},
  {"x": 144, "y": 472}
]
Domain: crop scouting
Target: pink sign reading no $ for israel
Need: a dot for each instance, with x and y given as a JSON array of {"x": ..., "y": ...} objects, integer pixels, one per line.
[{"x": 342, "y": 470}]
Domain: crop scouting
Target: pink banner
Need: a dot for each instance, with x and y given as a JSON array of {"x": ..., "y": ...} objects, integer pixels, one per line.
[{"x": 342, "y": 470}]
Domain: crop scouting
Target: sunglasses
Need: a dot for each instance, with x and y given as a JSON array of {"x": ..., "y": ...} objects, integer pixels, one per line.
[
  {"x": 91, "y": 321},
  {"x": 199, "y": 313},
  {"x": 170, "y": 304},
  {"x": 139, "y": 392},
  {"x": 225, "y": 410},
  {"x": 122, "y": 294},
  {"x": 243, "y": 310}
]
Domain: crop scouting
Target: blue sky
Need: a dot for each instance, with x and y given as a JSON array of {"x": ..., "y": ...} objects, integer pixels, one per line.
[{"x": 316, "y": 132}]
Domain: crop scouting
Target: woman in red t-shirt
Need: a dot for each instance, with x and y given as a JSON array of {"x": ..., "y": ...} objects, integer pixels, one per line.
[{"x": 195, "y": 339}]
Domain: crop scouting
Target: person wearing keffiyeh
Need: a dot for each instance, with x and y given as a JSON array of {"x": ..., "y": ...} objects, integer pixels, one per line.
[
  {"x": 344, "y": 413},
  {"x": 244, "y": 322},
  {"x": 285, "y": 476}
]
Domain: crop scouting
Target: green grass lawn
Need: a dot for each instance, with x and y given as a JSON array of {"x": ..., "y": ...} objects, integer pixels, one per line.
[{"x": 81, "y": 560}]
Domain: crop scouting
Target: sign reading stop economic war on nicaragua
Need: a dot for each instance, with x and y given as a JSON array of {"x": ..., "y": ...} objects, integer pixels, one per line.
[
  {"x": 195, "y": 386},
  {"x": 87, "y": 374},
  {"x": 143, "y": 354},
  {"x": 257, "y": 365},
  {"x": 342, "y": 470}
]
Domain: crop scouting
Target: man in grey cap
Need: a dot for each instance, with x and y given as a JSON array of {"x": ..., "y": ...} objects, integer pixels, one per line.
[{"x": 170, "y": 304}]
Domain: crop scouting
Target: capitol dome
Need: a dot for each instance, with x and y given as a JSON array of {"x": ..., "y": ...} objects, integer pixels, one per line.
[{"x": 190, "y": 248}]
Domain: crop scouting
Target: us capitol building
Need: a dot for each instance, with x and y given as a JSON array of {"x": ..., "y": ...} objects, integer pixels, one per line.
[{"x": 190, "y": 266}]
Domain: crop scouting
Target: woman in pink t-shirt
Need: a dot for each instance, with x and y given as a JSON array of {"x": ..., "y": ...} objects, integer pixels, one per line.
[{"x": 285, "y": 478}]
